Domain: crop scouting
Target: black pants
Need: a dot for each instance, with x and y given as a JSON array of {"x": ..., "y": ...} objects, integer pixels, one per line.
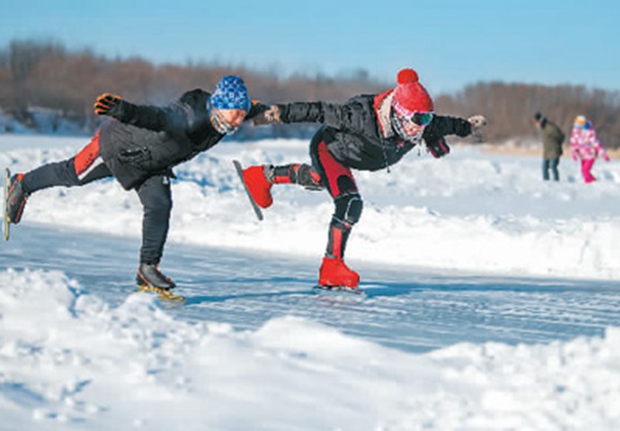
[
  {"x": 154, "y": 194},
  {"x": 326, "y": 172},
  {"x": 553, "y": 165}
]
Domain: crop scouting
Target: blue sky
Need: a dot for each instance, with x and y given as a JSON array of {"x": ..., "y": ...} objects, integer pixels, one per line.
[{"x": 451, "y": 43}]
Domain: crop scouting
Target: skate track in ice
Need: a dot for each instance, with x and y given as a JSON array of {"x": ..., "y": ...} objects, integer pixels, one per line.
[
  {"x": 493, "y": 302},
  {"x": 413, "y": 310}
]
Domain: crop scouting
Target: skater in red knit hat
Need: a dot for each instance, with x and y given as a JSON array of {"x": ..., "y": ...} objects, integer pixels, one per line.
[{"x": 368, "y": 133}]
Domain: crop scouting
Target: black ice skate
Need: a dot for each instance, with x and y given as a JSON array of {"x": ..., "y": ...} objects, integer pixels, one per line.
[
  {"x": 150, "y": 279},
  {"x": 16, "y": 199}
]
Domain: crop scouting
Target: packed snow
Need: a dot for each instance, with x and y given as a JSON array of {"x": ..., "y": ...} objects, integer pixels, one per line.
[{"x": 493, "y": 301}]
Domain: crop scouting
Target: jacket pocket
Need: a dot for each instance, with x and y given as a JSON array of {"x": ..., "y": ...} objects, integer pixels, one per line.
[{"x": 135, "y": 156}]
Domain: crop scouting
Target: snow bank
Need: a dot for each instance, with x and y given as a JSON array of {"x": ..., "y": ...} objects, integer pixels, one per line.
[
  {"x": 469, "y": 211},
  {"x": 69, "y": 360}
]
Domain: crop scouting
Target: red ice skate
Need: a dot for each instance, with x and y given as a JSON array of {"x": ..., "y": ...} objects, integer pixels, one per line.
[
  {"x": 258, "y": 185},
  {"x": 334, "y": 273}
]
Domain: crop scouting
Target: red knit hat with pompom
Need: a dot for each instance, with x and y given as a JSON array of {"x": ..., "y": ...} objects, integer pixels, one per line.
[{"x": 410, "y": 96}]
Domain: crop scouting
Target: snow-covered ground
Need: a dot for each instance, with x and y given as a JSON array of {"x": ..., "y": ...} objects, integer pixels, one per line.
[
  {"x": 493, "y": 301},
  {"x": 468, "y": 211}
]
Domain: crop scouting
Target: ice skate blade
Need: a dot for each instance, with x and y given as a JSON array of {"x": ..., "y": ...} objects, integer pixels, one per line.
[
  {"x": 340, "y": 289},
  {"x": 162, "y": 294},
  {"x": 7, "y": 222},
  {"x": 255, "y": 207}
]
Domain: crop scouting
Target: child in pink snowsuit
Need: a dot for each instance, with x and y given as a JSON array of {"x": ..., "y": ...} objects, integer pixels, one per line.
[{"x": 585, "y": 145}]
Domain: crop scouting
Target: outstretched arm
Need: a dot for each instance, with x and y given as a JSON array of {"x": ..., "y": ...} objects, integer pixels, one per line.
[
  {"x": 350, "y": 116},
  {"x": 441, "y": 126},
  {"x": 148, "y": 117},
  {"x": 297, "y": 112}
]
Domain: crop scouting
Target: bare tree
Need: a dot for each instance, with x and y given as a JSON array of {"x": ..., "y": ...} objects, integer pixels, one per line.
[{"x": 45, "y": 74}]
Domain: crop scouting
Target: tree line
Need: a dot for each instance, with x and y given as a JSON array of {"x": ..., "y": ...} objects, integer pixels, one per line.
[
  {"x": 46, "y": 74},
  {"x": 510, "y": 108}
]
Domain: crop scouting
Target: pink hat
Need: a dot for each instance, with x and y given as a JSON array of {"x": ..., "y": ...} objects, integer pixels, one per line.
[{"x": 410, "y": 96}]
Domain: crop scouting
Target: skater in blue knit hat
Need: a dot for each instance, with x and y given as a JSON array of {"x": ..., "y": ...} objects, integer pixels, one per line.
[{"x": 139, "y": 146}]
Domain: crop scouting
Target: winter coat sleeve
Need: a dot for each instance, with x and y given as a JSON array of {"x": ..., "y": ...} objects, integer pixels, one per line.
[
  {"x": 560, "y": 136},
  {"x": 574, "y": 144},
  {"x": 176, "y": 116},
  {"x": 441, "y": 126},
  {"x": 600, "y": 150},
  {"x": 349, "y": 117}
]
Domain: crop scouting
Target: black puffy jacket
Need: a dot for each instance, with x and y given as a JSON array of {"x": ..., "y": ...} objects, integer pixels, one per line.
[
  {"x": 359, "y": 135},
  {"x": 151, "y": 140}
]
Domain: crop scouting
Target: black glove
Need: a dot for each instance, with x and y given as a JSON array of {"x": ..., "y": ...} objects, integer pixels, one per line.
[
  {"x": 269, "y": 115},
  {"x": 438, "y": 148},
  {"x": 108, "y": 104}
]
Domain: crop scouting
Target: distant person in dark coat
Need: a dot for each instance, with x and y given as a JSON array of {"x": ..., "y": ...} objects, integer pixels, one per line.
[
  {"x": 552, "y": 138},
  {"x": 139, "y": 146}
]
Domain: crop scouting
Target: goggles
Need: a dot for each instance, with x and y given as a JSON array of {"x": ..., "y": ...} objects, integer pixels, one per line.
[
  {"x": 421, "y": 118},
  {"x": 403, "y": 128},
  {"x": 417, "y": 118}
]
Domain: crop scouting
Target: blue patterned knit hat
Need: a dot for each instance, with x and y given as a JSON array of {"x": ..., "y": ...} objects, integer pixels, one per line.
[{"x": 231, "y": 93}]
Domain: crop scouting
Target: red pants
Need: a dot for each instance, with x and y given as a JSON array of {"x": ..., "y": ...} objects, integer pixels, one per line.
[{"x": 586, "y": 168}]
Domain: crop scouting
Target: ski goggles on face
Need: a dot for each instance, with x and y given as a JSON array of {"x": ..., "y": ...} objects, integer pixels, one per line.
[
  {"x": 421, "y": 118},
  {"x": 415, "y": 117}
]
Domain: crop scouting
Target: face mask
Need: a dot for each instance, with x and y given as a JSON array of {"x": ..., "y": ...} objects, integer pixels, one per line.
[
  {"x": 218, "y": 121},
  {"x": 407, "y": 129},
  {"x": 220, "y": 124}
]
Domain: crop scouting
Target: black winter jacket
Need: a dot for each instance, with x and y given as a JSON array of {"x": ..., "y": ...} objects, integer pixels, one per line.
[
  {"x": 150, "y": 140},
  {"x": 359, "y": 135}
]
